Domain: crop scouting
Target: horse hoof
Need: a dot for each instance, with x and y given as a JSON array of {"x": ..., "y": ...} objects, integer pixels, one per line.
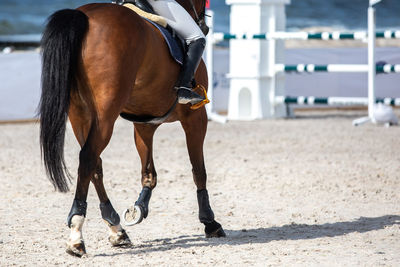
[
  {"x": 133, "y": 215},
  {"x": 121, "y": 239},
  {"x": 77, "y": 250},
  {"x": 214, "y": 229},
  {"x": 217, "y": 233}
]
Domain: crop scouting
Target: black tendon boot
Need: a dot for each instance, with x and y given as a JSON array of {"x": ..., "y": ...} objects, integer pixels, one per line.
[{"x": 191, "y": 62}]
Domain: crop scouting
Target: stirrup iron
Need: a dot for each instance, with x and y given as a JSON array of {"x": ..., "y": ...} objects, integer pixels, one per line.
[{"x": 204, "y": 101}]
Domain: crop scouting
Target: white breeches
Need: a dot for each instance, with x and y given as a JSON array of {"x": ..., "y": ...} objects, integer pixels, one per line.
[{"x": 178, "y": 19}]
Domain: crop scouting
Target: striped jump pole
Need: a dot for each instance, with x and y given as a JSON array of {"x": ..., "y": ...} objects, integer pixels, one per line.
[
  {"x": 360, "y": 35},
  {"x": 334, "y": 101},
  {"x": 387, "y": 68}
]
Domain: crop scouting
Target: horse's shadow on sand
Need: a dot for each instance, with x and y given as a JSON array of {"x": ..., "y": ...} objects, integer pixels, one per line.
[{"x": 263, "y": 235}]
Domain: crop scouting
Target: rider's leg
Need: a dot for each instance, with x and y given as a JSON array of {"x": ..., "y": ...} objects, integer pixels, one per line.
[
  {"x": 186, "y": 27},
  {"x": 191, "y": 62}
]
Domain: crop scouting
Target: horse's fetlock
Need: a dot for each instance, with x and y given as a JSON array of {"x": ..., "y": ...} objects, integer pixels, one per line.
[
  {"x": 118, "y": 237},
  {"x": 149, "y": 179},
  {"x": 75, "y": 244},
  {"x": 77, "y": 222}
]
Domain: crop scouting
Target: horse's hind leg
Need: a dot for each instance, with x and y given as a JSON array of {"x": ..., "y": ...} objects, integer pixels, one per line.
[
  {"x": 93, "y": 136},
  {"x": 117, "y": 235},
  {"x": 88, "y": 158},
  {"x": 144, "y": 144},
  {"x": 195, "y": 126}
]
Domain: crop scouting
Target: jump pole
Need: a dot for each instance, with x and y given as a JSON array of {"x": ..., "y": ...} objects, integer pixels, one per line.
[
  {"x": 371, "y": 62},
  {"x": 336, "y": 35}
]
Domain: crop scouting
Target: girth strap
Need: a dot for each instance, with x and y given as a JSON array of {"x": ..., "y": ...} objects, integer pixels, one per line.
[{"x": 149, "y": 119}]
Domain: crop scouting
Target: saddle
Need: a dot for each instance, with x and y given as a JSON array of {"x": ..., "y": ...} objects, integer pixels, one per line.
[
  {"x": 175, "y": 44},
  {"x": 145, "y": 11}
]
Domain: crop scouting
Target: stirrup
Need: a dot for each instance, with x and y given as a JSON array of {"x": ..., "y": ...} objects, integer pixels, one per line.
[
  {"x": 203, "y": 102},
  {"x": 186, "y": 95}
]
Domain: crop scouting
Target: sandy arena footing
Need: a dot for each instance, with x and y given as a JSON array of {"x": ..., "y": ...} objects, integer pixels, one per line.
[{"x": 309, "y": 192}]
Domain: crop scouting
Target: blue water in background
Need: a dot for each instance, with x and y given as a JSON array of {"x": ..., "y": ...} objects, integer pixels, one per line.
[{"x": 28, "y": 16}]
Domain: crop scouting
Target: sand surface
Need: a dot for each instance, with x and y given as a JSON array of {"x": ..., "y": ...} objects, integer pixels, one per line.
[{"x": 314, "y": 191}]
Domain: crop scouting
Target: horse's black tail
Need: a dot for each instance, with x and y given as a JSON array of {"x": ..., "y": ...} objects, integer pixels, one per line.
[{"x": 61, "y": 49}]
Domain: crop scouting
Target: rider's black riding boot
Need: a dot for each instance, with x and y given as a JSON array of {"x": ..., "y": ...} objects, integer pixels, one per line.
[
  {"x": 190, "y": 63},
  {"x": 145, "y": 6}
]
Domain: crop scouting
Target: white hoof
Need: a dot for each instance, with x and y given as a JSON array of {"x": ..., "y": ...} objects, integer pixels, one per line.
[{"x": 75, "y": 245}]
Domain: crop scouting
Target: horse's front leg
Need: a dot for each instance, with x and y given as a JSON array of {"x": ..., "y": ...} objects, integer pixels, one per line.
[
  {"x": 195, "y": 126},
  {"x": 144, "y": 144},
  {"x": 117, "y": 235}
]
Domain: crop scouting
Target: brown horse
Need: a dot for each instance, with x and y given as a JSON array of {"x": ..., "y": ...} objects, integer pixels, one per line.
[{"x": 101, "y": 61}]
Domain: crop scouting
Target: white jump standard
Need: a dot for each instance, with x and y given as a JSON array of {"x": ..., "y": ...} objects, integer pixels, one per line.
[{"x": 257, "y": 72}]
